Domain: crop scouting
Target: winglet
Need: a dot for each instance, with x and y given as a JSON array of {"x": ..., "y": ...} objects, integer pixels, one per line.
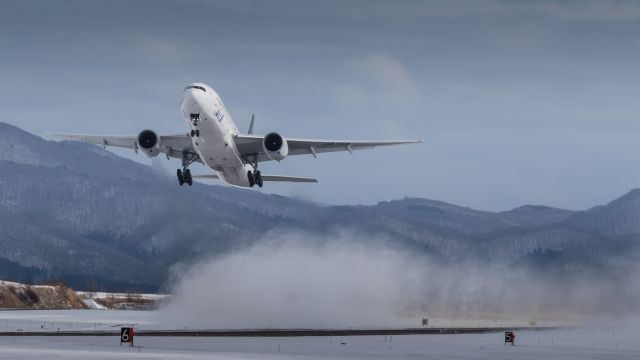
[{"x": 253, "y": 118}]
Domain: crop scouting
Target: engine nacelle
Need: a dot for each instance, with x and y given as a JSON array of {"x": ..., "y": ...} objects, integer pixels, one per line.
[
  {"x": 149, "y": 143},
  {"x": 275, "y": 146}
]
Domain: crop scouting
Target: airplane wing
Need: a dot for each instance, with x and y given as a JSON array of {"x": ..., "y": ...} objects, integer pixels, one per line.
[
  {"x": 171, "y": 145},
  {"x": 281, "y": 178},
  {"x": 249, "y": 145}
]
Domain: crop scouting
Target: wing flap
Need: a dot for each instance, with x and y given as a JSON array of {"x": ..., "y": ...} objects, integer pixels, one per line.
[
  {"x": 117, "y": 141},
  {"x": 171, "y": 145}
]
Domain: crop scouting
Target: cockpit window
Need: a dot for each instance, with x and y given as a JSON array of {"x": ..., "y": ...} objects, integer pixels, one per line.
[{"x": 196, "y": 87}]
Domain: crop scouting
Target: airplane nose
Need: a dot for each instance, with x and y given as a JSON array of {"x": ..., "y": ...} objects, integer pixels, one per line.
[
  {"x": 189, "y": 99},
  {"x": 189, "y": 96},
  {"x": 194, "y": 95},
  {"x": 191, "y": 104},
  {"x": 193, "y": 100}
]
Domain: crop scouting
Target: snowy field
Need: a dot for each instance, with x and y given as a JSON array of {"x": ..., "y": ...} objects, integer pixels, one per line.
[
  {"x": 75, "y": 320},
  {"x": 111, "y": 320},
  {"x": 617, "y": 341}
]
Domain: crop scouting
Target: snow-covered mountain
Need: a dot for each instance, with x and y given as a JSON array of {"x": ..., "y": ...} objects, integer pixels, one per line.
[{"x": 75, "y": 212}]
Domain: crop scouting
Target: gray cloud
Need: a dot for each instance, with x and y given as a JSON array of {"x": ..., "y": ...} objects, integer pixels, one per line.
[
  {"x": 571, "y": 10},
  {"x": 587, "y": 10},
  {"x": 377, "y": 80}
]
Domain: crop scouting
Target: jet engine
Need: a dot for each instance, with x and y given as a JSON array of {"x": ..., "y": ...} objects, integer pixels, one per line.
[
  {"x": 275, "y": 146},
  {"x": 149, "y": 143}
]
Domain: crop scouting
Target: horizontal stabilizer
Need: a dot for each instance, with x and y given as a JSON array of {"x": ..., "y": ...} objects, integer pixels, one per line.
[
  {"x": 288, "y": 178},
  {"x": 208, "y": 176},
  {"x": 281, "y": 178}
]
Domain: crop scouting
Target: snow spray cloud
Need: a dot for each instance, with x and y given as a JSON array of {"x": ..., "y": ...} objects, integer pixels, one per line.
[
  {"x": 161, "y": 169},
  {"x": 303, "y": 281}
]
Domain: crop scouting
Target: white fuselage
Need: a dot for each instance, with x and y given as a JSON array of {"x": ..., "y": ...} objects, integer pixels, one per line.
[{"x": 204, "y": 111}]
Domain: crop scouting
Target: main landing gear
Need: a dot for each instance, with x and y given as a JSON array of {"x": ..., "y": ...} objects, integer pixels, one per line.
[
  {"x": 255, "y": 178},
  {"x": 184, "y": 175}
]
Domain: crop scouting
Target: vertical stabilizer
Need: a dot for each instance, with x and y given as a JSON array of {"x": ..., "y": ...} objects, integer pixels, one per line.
[{"x": 253, "y": 118}]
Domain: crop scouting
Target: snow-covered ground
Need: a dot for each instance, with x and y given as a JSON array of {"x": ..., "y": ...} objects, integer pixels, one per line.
[
  {"x": 121, "y": 301},
  {"x": 108, "y": 320},
  {"x": 92, "y": 304},
  {"x": 105, "y": 295},
  {"x": 599, "y": 341},
  {"x": 20, "y": 285},
  {"x": 74, "y": 320}
]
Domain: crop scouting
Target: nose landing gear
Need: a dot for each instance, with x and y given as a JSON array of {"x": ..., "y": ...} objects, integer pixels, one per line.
[{"x": 195, "y": 119}]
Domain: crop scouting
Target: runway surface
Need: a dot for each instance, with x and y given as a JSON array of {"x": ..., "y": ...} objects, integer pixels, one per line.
[
  {"x": 618, "y": 341},
  {"x": 531, "y": 345}
]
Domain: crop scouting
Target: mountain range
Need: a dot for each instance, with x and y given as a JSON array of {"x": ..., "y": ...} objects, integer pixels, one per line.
[{"x": 77, "y": 213}]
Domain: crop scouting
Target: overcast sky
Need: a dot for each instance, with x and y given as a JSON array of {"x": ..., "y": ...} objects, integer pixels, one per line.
[{"x": 517, "y": 102}]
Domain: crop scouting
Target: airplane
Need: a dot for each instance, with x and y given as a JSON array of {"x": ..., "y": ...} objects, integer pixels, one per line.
[{"x": 215, "y": 141}]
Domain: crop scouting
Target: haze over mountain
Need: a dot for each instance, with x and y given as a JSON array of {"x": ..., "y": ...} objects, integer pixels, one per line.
[{"x": 78, "y": 213}]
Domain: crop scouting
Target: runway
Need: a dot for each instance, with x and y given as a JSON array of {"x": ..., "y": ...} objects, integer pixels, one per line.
[
  {"x": 283, "y": 332},
  {"x": 94, "y": 334},
  {"x": 532, "y": 345}
]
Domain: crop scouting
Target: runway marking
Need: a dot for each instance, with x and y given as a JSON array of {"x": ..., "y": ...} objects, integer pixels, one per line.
[{"x": 284, "y": 332}]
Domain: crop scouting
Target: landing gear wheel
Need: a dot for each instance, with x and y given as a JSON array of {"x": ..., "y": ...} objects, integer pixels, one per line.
[
  {"x": 180, "y": 177},
  {"x": 252, "y": 180},
  {"x": 258, "y": 178},
  {"x": 197, "y": 133},
  {"x": 187, "y": 177},
  {"x": 192, "y": 133}
]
